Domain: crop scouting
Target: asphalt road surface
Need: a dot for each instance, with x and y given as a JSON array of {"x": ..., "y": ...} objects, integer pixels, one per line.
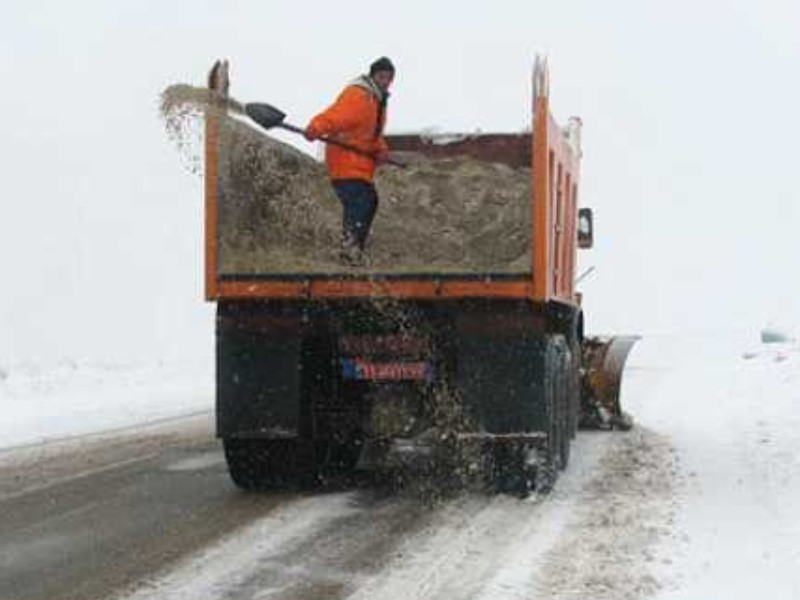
[
  {"x": 84, "y": 518},
  {"x": 151, "y": 514}
]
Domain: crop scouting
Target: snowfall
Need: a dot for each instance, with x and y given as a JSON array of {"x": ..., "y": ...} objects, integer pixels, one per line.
[{"x": 709, "y": 509}]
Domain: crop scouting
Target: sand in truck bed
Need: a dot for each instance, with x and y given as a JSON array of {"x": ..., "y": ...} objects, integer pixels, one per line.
[{"x": 278, "y": 214}]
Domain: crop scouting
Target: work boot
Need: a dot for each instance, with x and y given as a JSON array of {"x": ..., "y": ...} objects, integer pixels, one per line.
[
  {"x": 351, "y": 256},
  {"x": 351, "y": 253}
]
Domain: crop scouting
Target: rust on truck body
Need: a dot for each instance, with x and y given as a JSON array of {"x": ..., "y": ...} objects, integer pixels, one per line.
[{"x": 512, "y": 149}]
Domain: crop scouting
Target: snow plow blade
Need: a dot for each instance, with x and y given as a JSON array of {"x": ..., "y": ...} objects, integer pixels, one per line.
[{"x": 602, "y": 363}]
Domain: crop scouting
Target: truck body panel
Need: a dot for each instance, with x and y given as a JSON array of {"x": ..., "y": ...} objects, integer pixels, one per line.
[{"x": 273, "y": 356}]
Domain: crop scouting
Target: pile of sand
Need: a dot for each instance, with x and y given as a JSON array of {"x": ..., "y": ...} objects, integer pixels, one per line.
[{"x": 279, "y": 215}]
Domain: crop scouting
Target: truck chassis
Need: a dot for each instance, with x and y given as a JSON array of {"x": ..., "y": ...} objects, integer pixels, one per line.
[{"x": 466, "y": 388}]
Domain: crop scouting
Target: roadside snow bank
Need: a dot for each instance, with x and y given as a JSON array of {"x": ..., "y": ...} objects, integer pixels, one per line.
[
  {"x": 731, "y": 408},
  {"x": 70, "y": 398}
]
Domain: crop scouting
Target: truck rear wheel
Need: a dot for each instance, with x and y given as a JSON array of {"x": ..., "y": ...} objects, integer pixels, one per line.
[
  {"x": 511, "y": 471},
  {"x": 546, "y": 470},
  {"x": 557, "y": 402},
  {"x": 565, "y": 408},
  {"x": 574, "y": 388},
  {"x": 262, "y": 464},
  {"x": 525, "y": 469},
  {"x": 548, "y": 456}
]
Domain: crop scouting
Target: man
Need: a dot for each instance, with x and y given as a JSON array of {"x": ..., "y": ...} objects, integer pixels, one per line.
[{"x": 357, "y": 118}]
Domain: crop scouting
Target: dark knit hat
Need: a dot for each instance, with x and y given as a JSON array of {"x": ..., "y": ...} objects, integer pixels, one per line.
[{"x": 382, "y": 64}]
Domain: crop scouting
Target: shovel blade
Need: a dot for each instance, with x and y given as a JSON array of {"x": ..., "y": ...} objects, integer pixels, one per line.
[{"x": 265, "y": 115}]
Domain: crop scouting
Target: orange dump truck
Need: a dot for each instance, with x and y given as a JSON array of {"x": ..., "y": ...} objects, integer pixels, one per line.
[{"x": 477, "y": 374}]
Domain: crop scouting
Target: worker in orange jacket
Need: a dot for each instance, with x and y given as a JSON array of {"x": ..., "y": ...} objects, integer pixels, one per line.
[{"x": 356, "y": 118}]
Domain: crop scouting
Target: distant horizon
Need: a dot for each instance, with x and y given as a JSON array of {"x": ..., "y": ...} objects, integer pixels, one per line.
[{"x": 688, "y": 140}]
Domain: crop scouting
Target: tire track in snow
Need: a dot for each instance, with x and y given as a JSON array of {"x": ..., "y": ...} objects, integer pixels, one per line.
[
  {"x": 230, "y": 563},
  {"x": 485, "y": 547},
  {"x": 590, "y": 538},
  {"x": 610, "y": 549}
]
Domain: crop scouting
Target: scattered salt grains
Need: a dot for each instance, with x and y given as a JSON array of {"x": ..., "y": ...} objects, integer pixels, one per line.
[{"x": 624, "y": 517}]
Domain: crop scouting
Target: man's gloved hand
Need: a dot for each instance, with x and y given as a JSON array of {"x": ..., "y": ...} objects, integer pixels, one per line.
[{"x": 310, "y": 134}]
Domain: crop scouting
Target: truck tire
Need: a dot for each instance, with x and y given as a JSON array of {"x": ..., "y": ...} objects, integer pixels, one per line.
[
  {"x": 546, "y": 471},
  {"x": 256, "y": 464},
  {"x": 549, "y": 456},
  {"x": 565, "y": 441},
  {"x": 560, "y": 435},
  {"x": 565, "y": 401},
  {"x": 574, "y": 388},
  {"x": 510, "y": 470}
]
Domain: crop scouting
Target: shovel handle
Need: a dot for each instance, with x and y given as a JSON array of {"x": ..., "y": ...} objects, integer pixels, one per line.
[{"x": 327, "y": 140}]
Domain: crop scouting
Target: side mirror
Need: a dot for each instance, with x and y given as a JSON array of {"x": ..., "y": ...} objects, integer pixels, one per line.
[{"x": 585, "y": 228}]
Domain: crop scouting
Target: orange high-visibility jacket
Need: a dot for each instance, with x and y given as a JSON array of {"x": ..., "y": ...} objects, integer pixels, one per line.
[{"x": 352, "y": 120}]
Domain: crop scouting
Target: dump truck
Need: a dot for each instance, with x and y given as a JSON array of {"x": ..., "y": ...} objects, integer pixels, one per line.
[{"x": 476, "y": 374}]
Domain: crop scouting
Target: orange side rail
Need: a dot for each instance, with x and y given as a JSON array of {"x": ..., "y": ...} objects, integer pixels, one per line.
[
  {"x": 338, "y": 288},
  {"x": 555, "y": 184},
  {"x": 211, "y": 190},
  {"x": 540, "y": 184}
]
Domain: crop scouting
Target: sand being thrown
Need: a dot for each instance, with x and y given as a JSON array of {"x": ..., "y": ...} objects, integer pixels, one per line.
[{"x": 279, "y": 215}]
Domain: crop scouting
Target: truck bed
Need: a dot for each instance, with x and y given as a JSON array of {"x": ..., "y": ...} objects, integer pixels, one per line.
[
  {"x": 477, "y": 215},
  {"x": 277, "y": 214}
]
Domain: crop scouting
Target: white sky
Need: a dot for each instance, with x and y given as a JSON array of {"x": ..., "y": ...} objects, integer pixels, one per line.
[{"x": 690, "y": 113}]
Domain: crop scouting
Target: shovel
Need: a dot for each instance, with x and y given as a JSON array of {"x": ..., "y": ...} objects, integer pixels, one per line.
[{"x": 269, "y": 117}]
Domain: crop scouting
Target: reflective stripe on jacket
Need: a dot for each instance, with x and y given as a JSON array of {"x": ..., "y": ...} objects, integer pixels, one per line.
[{"x": 352, "y": 119}]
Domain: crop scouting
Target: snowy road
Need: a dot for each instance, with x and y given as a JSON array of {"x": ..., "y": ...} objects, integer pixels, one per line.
[
  {"x": 154, "y": 516},
  {"x": 700, "y": 500},
  {"x": 355, "y": 545},
  {"x": 80, "y": 524}
]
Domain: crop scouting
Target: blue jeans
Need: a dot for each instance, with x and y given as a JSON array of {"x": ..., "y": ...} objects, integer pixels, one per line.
[{"x": 360, "y": 203}]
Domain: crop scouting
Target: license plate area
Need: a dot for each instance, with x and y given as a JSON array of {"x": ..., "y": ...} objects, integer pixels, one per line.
[
  {"x": 361, "y": 369},
  {"x": 400, "y": 357}
]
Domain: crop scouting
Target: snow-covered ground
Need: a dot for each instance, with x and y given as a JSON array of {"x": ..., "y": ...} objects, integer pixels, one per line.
[
  {"x": 70, "y": 398},
  {"x": 701, "y": 500},
  {"x": 731, "y": 409}
]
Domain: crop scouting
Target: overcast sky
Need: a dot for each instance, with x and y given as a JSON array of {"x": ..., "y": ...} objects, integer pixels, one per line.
[{"x": 690, "y": 113}]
